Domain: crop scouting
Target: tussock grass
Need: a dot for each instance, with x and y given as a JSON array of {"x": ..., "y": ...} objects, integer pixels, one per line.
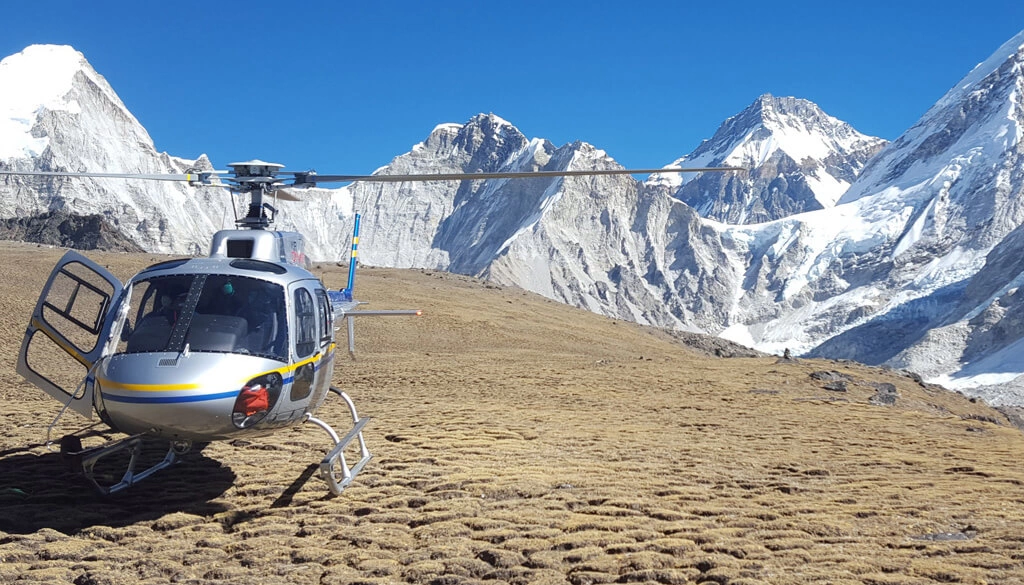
[{"x": 517, "y": 440}]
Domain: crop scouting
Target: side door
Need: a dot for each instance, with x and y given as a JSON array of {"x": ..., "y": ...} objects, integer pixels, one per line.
[
  {"x": 325, "y": 342},
  {"x": 69, "y": 330},
  {"x": 304, "y": 343}
]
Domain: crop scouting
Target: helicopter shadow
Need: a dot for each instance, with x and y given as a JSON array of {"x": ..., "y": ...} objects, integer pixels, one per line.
[{"x": 42, "y": 491}]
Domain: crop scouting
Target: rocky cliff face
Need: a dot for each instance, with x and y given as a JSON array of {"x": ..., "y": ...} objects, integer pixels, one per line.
[
  {"x": 449, "y": 224},
  {"x": 612, "y": 246},
  {"x": 58, "y": 228}
]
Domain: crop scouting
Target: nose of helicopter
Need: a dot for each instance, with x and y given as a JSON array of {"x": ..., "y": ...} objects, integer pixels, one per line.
[{"x": 175, "y": 396}]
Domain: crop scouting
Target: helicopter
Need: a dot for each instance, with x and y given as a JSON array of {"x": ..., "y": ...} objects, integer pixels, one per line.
[{"x": 241, "y": 343}]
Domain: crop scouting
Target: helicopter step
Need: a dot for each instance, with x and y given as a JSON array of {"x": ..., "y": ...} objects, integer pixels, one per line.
[
  {"x": 334, "y": 468},
  {"x": 85, "y": 460}
]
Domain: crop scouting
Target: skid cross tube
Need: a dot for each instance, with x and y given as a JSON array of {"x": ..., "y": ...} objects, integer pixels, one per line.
[
  {"x": 334, "y": 468},
  {"x": 133, "y": 444}
]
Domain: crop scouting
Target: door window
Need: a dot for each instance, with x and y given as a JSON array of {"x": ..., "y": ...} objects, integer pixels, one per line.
[
  {"x": 326, "y": 317},
  {"x": 305, "y": 324}
]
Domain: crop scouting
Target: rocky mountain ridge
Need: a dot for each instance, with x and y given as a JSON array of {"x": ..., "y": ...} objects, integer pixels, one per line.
[{"x": 911, "y": 266}]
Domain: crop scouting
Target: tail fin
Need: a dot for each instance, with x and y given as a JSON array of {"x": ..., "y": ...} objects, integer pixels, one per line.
[
  {"x": 343, "y": 301},
  {"x": 353, "y": 258}
]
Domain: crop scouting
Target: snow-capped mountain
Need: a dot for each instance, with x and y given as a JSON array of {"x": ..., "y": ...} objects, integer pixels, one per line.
[
  {"x": 916, "y": 264},
  {"x": 800, "y": 159},
  {"x": 71, "y": 119},
  {"x": 447, "y": 225},
  {"x": 453, "y": 225}
]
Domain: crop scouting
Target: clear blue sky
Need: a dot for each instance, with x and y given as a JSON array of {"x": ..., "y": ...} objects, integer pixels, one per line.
[{"x": 343, "y": 87}]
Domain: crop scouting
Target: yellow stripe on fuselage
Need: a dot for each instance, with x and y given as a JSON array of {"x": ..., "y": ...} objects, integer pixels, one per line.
[
  {"x": 108, "y": 384},
  {"x": 297, "y": 365},
  {"x": 111, "y": 385}
]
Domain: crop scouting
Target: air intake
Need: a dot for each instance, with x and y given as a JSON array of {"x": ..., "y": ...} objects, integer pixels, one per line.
[{"x": 240, "y": 248}]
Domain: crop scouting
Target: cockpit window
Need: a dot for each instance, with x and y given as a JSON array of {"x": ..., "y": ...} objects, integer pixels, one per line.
[{"x": 207, "y": 313}]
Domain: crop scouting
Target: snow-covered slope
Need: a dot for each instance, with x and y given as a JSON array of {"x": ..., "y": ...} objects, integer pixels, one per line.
[
  {"x": 800, "y": 159},
  {"x": 894, "y": 273}
]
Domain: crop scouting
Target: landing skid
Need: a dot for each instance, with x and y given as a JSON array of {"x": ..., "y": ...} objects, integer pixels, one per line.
[
  {"x": 333, "y": 468},
  {"x": 85, "y": 460}
]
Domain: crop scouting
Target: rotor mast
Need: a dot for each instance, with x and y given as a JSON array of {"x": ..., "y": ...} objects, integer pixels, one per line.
[{"x": 256, "y": 178}]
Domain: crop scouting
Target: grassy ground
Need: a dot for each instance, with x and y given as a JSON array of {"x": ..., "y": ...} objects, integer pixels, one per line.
[{"x": 517, "y": 440}]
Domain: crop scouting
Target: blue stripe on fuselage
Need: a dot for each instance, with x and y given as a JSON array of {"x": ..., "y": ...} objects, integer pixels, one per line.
[
  {"x": 324, "y": 360},
  {"x": 168, "y": 399}
]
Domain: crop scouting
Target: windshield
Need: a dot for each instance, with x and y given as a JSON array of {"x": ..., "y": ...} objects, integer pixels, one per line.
[{"x": 212, "y": 313}]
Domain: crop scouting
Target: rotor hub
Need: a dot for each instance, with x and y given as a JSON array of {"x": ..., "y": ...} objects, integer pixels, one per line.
[{"x": 255, "y": 169}]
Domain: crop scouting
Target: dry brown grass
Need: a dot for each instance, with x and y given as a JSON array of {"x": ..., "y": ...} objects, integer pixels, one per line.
[{"x": 517, "y": 440}]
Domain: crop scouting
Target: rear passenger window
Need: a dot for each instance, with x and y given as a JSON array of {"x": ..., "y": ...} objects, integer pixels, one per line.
[
  {"x": 305, "y": 316},
  {"x": 326, "y": 325}
]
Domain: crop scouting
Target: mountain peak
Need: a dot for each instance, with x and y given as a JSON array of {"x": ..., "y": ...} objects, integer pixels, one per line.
[
  {"x": 44, "y": 76},
  {"x": 485, "y": 123},
  {"x": 796, "y": 126},
  {"x": 800, "y": 158},
  {"x": 490, "y": 119},
  {"x": 767, "y": 102},
  {"x": 773, "y": 112},
  {"x": 52, "y": 57}
]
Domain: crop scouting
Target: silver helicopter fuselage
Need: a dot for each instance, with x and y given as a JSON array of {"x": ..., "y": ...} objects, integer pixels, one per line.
[
  {"x": 187, "y": 384},
  {"x": 195, "y": 349}
]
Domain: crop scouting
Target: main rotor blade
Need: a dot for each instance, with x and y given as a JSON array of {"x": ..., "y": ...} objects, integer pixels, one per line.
[
  {"x": 308, "y": 178},
  {"x": 190, "y": 177}
]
